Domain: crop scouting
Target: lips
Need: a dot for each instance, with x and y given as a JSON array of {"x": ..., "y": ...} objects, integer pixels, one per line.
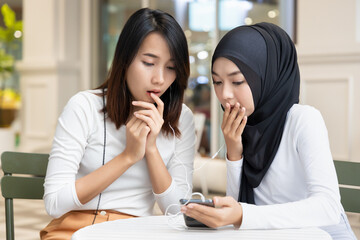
[{"x": 157, "y": 92}]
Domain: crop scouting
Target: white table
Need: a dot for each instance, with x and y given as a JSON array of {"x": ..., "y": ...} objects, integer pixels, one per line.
[{"x": 157, "y": 227}]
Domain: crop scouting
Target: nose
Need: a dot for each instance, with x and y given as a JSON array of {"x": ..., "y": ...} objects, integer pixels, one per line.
[
  {"x": 227, "y": 92},
  {"x": 158, "y": 77}
]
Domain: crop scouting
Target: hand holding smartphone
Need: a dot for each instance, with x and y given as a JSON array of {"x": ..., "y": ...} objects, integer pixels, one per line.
[{"x": 191, "y": 222}]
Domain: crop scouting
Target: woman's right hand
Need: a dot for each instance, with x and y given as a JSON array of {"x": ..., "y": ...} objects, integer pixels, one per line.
[
  {"x": 234, "y": 122},
  {"x": 136, "y": 134}
]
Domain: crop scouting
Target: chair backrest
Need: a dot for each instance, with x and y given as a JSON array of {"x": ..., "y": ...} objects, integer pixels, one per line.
[
  {"x": 348, "y": 174},
  {"x": 24, "y": 175}
]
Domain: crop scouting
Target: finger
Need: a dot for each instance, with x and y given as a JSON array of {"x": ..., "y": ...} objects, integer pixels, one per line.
[
  {"x": 200, "y": 213},
  {"x": 140, "y": 127},
  {"x": 131, "y": 122},
  {"x": 136, "y": 125},
  {"x": 144, "y": 131},
  {"x": 144, "y": 105},
  {"x": 148, "y": 113},
  {"x": 241, "y": 128},
  {"x": 238, "y": 119},
  {"x": 155, "y": 116},
  {"x": 159, "y": 103},
  {"x": 234, "y": 112},
  {"x": 220, "y": 202},
  {"x": 148, "y": 120},
  {"x": 226, "y": 114},
  {"x": 202, "y": 209}
]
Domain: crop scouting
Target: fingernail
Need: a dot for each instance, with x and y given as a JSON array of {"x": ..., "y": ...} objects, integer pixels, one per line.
[
  {"x": 237, "y": 104},
  {"x": 134, "y": 102},
  {"x": 243, "y": 109}
]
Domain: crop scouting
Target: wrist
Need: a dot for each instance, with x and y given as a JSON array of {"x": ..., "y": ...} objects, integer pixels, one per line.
[
  {"x": 151, "y": 149},
  {"x": 233, "y": 157},
  {"x": 234, "y": 151},
  {"x": 126, "y": 158},
  {"x": 238, "y": 221}
]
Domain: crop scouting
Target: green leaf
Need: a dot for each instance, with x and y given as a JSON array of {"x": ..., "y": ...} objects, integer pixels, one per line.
[
  {"x": 3, "y": 33},
  {"x": 6, "y": 62},
  {"x": 9, "y": 16},
  {"x": 18, "y": 26}
]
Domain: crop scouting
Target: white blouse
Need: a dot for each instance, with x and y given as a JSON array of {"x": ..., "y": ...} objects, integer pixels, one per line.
[
  {"x": 300, "y": 189},
  {"x": 78, "y": 150}
]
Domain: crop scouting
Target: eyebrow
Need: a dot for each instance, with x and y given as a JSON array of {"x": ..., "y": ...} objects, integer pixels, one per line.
[
  {"x": 151, "y": 55},
  {"x": 155, "y": 56},
  {"x": 229, "y": 75}
]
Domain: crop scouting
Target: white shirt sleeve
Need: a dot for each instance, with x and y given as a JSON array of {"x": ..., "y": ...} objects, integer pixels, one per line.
[
  {"x": 72, "y": 131},
  {"x": 321, "y": 206},
  {"x": 233, "y": 169},
  {"x": 180, "y": 166}
]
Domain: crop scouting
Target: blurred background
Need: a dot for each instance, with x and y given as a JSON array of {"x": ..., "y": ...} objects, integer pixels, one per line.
[
  {"x": 51, "y": 49},
  {"x": 66, "y": 46}
]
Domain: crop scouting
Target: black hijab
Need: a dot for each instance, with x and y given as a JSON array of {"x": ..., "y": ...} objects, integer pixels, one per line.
[{"x": 267, "y": 57}]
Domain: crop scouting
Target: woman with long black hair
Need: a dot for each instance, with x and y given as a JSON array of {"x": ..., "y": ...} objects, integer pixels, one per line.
[{"x": 130, "y": 142}]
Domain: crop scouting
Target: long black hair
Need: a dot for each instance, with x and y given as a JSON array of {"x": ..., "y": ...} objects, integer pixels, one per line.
[{"x": 138, "y": 26}]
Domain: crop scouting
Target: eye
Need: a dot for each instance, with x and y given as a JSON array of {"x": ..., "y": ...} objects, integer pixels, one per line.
[
  {"x": 217, "y": 83},
  {"x": 171, "y": 68},
  {"x": 238, "y": 83},
  {"x": 147, "y": 64}
]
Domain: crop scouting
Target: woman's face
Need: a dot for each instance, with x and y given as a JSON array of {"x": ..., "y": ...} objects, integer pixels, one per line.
[
  {"x": 152, "y": 70},
  {"x": 230, "y": 85}
]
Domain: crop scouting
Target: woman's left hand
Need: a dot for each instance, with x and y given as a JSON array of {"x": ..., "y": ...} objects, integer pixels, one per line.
[
  {"x": 153, "y": 117},
  {"x": 227, "y": 211}
]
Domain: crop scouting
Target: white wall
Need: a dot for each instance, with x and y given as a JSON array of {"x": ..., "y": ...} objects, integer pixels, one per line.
[
  {"x": 55, "y": 65},
  {"x": 328, "y": 47}
]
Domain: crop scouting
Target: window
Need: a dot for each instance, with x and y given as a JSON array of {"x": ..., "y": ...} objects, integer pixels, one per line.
[{"x": 204, "y": 22}]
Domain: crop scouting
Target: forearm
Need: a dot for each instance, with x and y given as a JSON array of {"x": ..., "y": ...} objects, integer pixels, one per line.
[
  {"x": 97, "y": 181},
  {"x": 314, "y": 211},
  {"x": 159, "y": 175}
]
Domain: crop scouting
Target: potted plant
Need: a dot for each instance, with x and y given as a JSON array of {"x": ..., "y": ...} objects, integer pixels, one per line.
[{"x": 10, "y": 36}]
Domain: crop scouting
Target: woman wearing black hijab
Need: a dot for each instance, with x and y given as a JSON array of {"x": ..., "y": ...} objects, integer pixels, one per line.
[{"x": 280, "y": 168}]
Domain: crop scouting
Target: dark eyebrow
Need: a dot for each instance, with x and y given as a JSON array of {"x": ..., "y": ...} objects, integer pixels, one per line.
[
  {"x": 150, "y": 55},
  {"x": 214, "y": 73},
  {"x": 155, "y": 56},
  {"x": 229, "y": 75}
]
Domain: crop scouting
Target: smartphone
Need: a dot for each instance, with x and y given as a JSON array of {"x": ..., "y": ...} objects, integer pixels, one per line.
[{"x": 191, "y": 222}]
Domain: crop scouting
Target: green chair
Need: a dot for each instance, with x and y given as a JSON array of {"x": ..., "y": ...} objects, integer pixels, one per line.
[
  {"x": 24, "y": 175},
  {"x": 348, "y": 173}
]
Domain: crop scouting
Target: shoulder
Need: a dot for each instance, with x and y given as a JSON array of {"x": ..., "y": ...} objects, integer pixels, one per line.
[
  {"x": 303, "y": 113},
  {"x": 304, "y": 120},
  {"x": 83, "y": 104},
  {"x": 87, "y": 96},
  {"x": 186, "y": 120},
  {"x": 186, "y": 111},
  {"x": 186, "y": 114},
  {"x": 85, "y": 100}
]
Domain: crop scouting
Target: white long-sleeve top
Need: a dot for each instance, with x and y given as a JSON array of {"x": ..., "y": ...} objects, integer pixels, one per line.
[
  {"x": 300, "y": 189},
  {"x": 78, "y": 150}
]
